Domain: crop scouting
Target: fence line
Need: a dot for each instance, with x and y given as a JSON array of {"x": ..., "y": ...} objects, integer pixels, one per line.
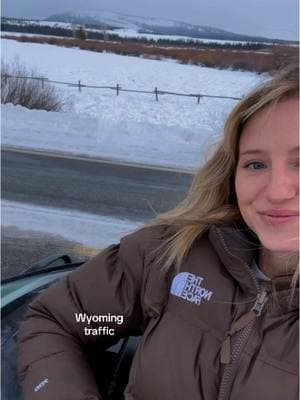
[{"x": 119, "y": 89}]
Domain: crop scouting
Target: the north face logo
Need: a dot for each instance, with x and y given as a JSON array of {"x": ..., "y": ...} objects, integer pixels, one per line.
[{"x": 188, "y": 287}]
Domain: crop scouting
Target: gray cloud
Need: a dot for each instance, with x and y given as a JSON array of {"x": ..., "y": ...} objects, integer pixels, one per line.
[{"x": 272, "y": 18}]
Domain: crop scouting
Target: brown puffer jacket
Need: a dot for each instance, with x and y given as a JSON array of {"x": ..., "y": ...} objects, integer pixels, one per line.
[{"x": 210, "y": 330}]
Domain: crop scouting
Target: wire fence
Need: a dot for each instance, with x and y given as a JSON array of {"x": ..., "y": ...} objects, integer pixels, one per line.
[{"x": 118, "y": 88}]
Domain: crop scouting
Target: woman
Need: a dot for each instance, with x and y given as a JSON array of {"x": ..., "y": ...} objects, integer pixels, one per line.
[{"x": 211, "y": 285}]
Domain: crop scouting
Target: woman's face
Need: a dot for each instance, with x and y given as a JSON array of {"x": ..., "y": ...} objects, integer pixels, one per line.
[{"x": 267, "y": 179}]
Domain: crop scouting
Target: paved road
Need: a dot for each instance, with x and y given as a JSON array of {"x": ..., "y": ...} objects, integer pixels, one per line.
[{"x": 92, "y": 186}]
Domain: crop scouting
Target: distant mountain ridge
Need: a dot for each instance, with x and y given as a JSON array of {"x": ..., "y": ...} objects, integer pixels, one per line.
[{"x": 114, "y": 20}]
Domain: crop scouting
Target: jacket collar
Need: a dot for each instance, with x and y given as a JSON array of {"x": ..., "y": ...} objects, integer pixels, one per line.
[{"x": 237, "y": 247}]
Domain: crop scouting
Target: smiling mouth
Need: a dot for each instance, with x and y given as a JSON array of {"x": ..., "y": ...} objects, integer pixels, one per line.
[{"x": 279, "y": 216}]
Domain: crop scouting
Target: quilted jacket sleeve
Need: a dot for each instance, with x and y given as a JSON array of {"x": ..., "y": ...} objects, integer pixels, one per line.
[{"x": 52, "y": 344}]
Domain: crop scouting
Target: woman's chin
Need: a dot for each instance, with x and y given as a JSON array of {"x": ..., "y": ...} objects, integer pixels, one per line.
[{"x": 281, "y": 245}]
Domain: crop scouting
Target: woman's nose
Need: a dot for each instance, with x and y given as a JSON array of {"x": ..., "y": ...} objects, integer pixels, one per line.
[{"x": 282, "y": 185}]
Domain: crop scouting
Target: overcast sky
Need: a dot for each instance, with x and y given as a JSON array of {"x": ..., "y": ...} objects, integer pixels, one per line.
[{"x": 271, "y": 18}]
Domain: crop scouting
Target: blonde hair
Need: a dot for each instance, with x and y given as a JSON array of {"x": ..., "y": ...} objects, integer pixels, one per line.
[{"x": 211, "y": 198}]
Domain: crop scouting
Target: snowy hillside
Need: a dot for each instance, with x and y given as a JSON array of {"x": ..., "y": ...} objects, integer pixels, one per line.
[
  {"x": 119, "y": 20},
  {"x": 125, "y": 20},
  {"x": 149, "y": 25},
  {"x": 126, "y": 26},
  {"x": 17, "y": 27}
]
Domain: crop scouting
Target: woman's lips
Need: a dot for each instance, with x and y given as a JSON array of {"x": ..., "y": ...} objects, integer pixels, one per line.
[{"x": 276, "y": 217}]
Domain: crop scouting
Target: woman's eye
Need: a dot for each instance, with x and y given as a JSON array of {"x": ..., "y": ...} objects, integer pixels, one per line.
[{"x": 255, "y": 165}]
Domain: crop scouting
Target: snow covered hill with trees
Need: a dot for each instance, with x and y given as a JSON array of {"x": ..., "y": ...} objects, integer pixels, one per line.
[{"x": 151, "y": 25}]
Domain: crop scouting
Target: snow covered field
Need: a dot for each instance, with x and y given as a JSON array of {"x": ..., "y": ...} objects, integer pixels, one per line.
[
  {"x": 175, "y": 131},
  {"x": 88, "y": 229}
]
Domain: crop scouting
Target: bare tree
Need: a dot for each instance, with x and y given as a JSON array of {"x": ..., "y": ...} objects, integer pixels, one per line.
[{"x": 22, "y": 86}]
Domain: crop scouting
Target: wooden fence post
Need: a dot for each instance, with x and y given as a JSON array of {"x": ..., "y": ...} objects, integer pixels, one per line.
[
  {"x": 156, "y": 94},
  {"x": 117, "y": 88},
  {"x": 79, "y": 86},
  {"x": 43, "y": 82},
  {"x": 198, "y": 101}
]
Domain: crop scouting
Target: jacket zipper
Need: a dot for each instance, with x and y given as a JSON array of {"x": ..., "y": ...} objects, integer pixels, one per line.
[
  {"x": 243, "y": 335},
  {"x": 239, "y": 345}
]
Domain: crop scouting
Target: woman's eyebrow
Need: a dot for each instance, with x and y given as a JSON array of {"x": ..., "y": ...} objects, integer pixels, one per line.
[
  {"x": 252, "y": 151},
  {"x": 259, "y": 151}
]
